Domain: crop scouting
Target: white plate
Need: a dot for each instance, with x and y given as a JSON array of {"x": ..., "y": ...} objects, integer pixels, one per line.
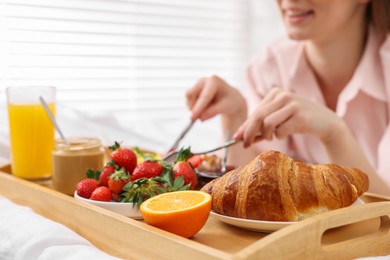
[
  {"x": 259, "y": 225},
  {"x": 123, "y": 208}
]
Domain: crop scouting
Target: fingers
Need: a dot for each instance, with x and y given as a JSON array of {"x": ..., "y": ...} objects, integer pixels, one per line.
[
  {"x": 275, "y": 113},
  {"x": 205, "y": 98},
  {"x": 211, "y": 111},
  {"x": 274, "y": 110},
  {"x": 281, "y": 114},
  {"x": 193, "y": 93},
  {"x": 192, "y": 96},
  {"x": 278, "y": 124},
  {"x": 208, "y": 92}
]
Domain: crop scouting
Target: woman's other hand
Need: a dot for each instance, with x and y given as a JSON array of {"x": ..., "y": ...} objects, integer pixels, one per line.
[
  {"x": 212, "y": 96},
  {"x": 282, "y": 113}
]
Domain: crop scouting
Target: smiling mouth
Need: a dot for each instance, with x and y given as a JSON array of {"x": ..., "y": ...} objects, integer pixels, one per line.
[
  {"x": 294, "y": 16},
  {"x": 298, "y": 13}
]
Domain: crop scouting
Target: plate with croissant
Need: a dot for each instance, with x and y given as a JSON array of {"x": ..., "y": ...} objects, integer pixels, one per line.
[
  {"x": 273, "y": 191},
  {"x": 260, "y": 225}
]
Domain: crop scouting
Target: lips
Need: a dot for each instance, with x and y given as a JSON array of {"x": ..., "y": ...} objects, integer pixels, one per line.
[
  {"x": 292, "y": 13},
  {"x": 297, "y": 15}
]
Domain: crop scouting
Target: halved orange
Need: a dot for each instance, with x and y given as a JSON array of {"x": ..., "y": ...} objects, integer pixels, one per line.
[{"x": 183, "y": 213}]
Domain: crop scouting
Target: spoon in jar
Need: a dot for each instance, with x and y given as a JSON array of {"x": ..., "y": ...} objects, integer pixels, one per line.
[{"x": 52, "y": 119}]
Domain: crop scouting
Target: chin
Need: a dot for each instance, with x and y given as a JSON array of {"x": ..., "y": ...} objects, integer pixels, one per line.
[{"x": 297, "y": 35}]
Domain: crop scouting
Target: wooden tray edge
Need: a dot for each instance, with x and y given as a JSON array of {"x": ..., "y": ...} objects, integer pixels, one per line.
[
  {"x": 312, "y": 229},
  {"x": 168, "y": 245},
  {"x": 123, "y": 237}
]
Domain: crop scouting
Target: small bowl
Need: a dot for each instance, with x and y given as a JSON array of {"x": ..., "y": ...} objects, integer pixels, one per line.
[
  {"x": 122, "y": 208},
  {"x": 214, "y": 174}
]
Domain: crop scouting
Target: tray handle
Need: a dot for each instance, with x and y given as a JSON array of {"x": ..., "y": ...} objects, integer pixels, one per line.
[{"x": 304, "y": 240}]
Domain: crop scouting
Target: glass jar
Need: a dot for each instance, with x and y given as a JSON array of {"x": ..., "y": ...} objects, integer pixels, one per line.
[{"x": 71, "y": 161}]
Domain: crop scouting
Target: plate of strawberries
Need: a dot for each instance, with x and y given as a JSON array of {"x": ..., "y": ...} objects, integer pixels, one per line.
[
  {"x": 131, "y": 177},
  {"x": 122, "y": 208}
]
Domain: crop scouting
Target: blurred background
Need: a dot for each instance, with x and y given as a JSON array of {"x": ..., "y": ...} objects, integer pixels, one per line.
[{"x": 121, "y": 67}]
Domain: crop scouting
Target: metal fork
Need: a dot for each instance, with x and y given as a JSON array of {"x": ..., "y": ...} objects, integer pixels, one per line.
[
  {"x": 225, "y": 154},
  {"x": 183, "y": 133},
  {"x": 171, "y": 157}
]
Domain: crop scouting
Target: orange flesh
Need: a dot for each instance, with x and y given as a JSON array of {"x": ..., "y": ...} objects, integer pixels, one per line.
[{"x": 173, "y": 202}]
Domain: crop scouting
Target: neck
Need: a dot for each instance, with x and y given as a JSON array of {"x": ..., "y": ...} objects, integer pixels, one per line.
[{"x": 334, "y": 61}]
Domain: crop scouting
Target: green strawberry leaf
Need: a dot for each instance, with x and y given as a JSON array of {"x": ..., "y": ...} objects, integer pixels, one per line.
[
  {"x": 141, "y": 189},
  {"x": 179, "y": 182},
  {"x": 92, "y": 174},
  {"x": 160, "y": 189},
  {"x": 186, "y": 187},
  {"x": 167, "y": 177},
  {"x": 113, "y": 164},
  {"x": 115, "y": 146},
  {"x": 183, "y": 154},
  {"x": 120, "y": 175},
  {"x": 127, "y": 186}
]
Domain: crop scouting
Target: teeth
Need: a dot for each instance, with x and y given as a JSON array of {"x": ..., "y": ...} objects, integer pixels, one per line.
[{"x": 296, "y": 13}]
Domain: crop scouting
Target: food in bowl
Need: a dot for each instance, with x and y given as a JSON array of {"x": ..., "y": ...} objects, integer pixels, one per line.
[
  {"x": 127, "y": 178},
  {"x": 210, "y": 163}
]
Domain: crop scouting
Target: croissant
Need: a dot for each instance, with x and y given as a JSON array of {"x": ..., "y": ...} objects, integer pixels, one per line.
[{"x": 274, "y": 187}]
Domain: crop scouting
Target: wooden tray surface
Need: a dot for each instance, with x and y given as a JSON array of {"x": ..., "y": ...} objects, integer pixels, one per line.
[{"x": 358, "y": 231}]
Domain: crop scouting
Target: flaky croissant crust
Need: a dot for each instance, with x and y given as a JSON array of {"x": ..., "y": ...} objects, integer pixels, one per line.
[{"x": 274, "y": 187}]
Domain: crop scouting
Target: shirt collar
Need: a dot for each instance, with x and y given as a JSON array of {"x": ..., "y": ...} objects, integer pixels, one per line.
[
  {"x": 368, "y": 76},
  {"x": 302, "y": 78}
]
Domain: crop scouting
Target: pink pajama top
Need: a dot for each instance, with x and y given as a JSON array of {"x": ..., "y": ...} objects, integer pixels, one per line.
[{"x": 364, "y": 104}]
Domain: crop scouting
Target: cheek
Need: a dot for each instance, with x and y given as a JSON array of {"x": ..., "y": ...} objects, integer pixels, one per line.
[{"x": 279, "y": 8}]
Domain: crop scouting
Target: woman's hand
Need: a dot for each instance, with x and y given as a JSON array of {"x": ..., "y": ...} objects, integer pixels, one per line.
[
  {"x": 212, "y": 96},
  {"x": 283, "y": 113}
]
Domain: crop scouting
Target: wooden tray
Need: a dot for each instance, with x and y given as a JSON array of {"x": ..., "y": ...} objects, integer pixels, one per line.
[{"x": 358, "y": 231}]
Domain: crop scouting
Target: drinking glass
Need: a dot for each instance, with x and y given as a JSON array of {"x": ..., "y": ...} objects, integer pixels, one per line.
[{"x": 31, "y": 131}]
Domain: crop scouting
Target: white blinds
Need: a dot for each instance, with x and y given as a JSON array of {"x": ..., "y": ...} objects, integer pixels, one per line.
[{"x": 134, "y": 58}]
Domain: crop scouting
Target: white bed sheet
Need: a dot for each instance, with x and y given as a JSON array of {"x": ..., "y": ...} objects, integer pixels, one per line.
[{"x": 27, "y": 235}]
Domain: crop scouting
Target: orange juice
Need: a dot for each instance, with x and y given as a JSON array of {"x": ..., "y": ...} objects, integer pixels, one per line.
[{"x": 32, "y": 140}]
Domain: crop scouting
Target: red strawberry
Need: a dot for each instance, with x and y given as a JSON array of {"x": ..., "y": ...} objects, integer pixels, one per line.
[
  {"x": 105, "y": 174},
  {"x": 195, "y": 160},
  {"x": 114, "y": 197},
  {"x": 101, "y": 193},
  {"x": 123, "y": 157},
  {"x": 117, "y": 181},
  {"x": 147, "y": 169},
  {"x": 185, "y": 169},
  {"x": 85, "y": 187}
]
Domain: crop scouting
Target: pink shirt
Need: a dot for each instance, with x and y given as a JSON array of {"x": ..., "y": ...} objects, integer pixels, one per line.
[{"x": 364, "y": 104}]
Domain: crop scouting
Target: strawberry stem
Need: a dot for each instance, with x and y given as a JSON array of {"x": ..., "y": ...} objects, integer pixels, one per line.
[
  {"x": 92, "y": 174},
  {"x": 115, "y": 146},
  {"x": 183, "y": 154}
]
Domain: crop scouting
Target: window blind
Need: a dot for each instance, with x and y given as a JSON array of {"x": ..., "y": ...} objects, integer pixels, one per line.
[
  {"x": 133, "y": 58},
  {"x": 129, "y": 60}
]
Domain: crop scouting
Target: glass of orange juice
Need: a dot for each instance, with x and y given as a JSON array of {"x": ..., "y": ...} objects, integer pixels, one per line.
[{"x": 31, "y": 132}]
